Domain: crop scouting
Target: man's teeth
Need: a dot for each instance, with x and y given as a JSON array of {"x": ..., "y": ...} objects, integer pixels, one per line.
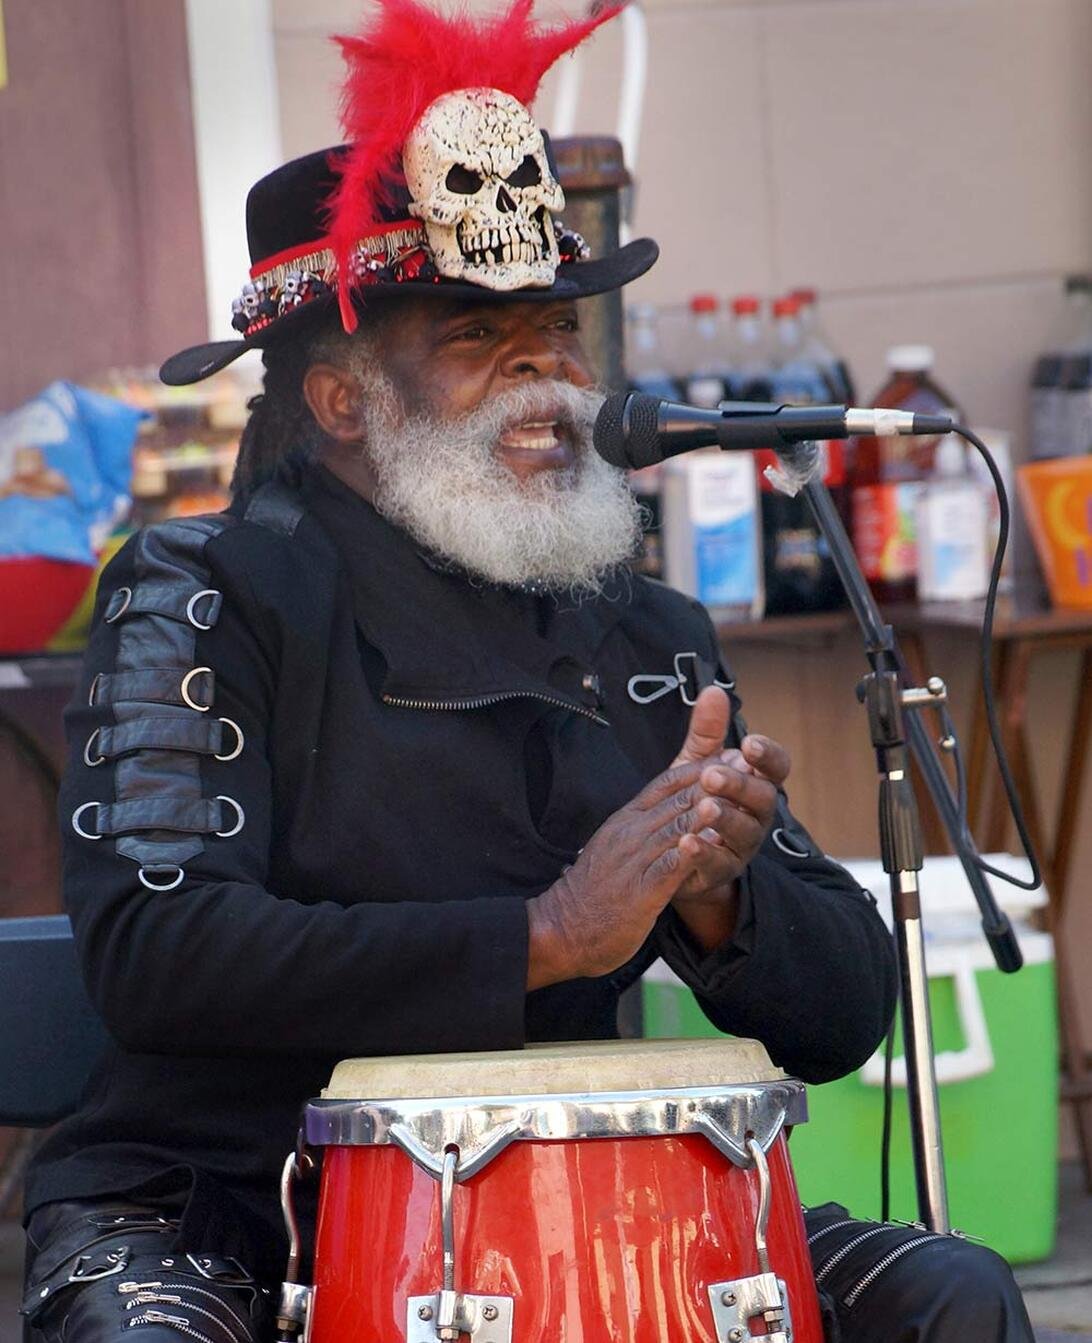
[{"x": 540, "y": 434}]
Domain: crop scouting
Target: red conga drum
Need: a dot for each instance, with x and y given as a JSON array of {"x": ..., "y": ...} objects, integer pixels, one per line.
[{"x": 627, "y": 1192}]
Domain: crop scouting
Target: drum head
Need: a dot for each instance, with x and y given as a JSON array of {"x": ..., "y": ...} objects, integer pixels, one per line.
[{"x": 556, "y": 1069}]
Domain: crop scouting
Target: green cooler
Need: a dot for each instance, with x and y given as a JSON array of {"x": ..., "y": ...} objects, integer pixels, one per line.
[{"x": 996, "y": 1042}]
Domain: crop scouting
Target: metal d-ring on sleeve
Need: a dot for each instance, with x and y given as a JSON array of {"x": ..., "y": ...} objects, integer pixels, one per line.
[
  {"x": 117, "y": 605},
  {"x": 91, "y": 741},
  {"x": 783, "y": 840},
  {"x": 239, "y": 739},
  {"x": 240, "y": 815},
  {"x": 168, "y": 886},
  {"x": 84, "y": 834},
  {"x": 215, "y": 597},
  {"x": 184, "y": 688}
]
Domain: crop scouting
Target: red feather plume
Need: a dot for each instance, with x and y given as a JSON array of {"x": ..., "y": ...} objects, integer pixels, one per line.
[{"x": 405, "y": 59}]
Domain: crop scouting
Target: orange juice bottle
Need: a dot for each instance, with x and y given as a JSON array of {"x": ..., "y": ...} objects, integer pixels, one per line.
[{"x": 886, "y": 476}]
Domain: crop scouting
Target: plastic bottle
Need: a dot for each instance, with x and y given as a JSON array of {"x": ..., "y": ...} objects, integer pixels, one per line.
[
  {"x": 952, "y": 524},
  {"x": 819, "y": 347},
  {"x": 648, "y": 370},
  {"x": 798, "y": 569},
  {"x": 886, "y": 476},
  {"x": 749, "y": 351},
  {"x": 708, "y": 380},
  {"x": 647, "y": 366},
  {"x": 1049, "y": 431},
  {"x": 797, "y": 378},
  {"x": 1075, "y": 414}
]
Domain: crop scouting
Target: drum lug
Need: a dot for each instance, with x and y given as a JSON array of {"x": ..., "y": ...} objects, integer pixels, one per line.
[
  {"x": 294, "y": 1314},
  {"x": 738, "y": 1302},
  {"x": 448, "y": 1315},
  {"x": 762, "y": 1295}
]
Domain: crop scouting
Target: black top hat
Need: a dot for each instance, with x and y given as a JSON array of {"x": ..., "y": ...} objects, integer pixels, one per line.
[{"x": 293, "y": 271}]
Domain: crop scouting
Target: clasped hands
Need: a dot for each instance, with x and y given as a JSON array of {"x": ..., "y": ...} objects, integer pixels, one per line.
[{"x": 683, "y": 841}]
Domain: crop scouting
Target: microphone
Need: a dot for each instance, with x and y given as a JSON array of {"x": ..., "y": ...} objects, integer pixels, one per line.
[{"x": 635, "y": 430}]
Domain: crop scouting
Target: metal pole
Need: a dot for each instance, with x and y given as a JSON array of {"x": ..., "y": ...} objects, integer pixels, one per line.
[
  {"x": 901, "y": 848},
  {"x": 917, "y": 1034}
]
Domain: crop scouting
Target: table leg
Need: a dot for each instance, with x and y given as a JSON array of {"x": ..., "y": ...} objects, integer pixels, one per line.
[
  {"x": 1072, "y": 782},
  {"x": 1012, "y": 694}
]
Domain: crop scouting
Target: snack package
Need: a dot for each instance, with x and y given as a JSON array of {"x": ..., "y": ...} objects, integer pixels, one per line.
[{"x": 65, "y": 462}]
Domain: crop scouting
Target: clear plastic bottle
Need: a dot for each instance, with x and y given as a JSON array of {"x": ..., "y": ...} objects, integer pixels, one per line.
[
  {"x": 820, "y": 348},
  {"x": 797, "y": 378},
  {"x": 1051, "y": 433},
  {"x": 648, "y": 368},
  {"x": 1075, "y": 413},
  {"x": 952, "y": 525},
  {"x": 749, "y": 351},
  {"x": 886, "y": 476},
  {"x": 709, "y": 377}
]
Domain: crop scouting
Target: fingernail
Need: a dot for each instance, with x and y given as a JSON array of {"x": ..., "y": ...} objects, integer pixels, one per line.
[{"x": 758, "y": 746}]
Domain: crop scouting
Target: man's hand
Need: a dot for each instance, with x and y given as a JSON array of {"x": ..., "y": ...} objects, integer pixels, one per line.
[
  {"x": 601, "y": 910},
  {"x": 734, "y": 816}
]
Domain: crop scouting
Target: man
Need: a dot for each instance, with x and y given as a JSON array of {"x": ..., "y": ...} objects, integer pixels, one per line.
[{"x": 356, "y": 767}]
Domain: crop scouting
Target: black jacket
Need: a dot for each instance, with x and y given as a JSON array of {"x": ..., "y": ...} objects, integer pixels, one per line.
[{"x": 419, "y": 756}]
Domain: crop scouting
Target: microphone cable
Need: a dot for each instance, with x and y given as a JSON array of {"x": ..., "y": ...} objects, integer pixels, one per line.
[{"x": 986, "y": 669}]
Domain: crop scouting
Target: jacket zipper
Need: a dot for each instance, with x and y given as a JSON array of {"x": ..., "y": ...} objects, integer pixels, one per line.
[
  {"x": 850, "y": 1298},
  {"x": 173, "y": 1299},
  {"x": 836, "y": 1258},
  {"x": 832, "y": 1226},
  {"x": 174, "y": 1321},
  {"x": 484, "y": 701},
  {"x": 147, "y": 1293}
]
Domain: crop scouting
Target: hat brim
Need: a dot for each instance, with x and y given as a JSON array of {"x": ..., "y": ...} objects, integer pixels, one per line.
[{"x": 578, "y": 279}]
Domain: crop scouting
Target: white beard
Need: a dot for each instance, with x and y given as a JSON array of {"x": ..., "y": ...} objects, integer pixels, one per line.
[{"x": 441, "y": 481}]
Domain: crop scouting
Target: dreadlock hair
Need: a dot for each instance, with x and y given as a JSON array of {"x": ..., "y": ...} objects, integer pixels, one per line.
[{"x": 281, "y": 434}]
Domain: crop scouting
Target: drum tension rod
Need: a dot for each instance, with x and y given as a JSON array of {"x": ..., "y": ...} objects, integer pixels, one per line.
[
  {"x": 448, "y": 1314},
  {"x": 763, "y": 1295},
  {"x": 297, "y": 1298}
]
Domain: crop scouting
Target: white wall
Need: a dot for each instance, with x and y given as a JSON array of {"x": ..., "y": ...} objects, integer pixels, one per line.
[{"x": 236, "y": 132}]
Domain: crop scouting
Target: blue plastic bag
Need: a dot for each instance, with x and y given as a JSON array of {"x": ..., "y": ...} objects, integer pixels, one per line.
[{"x": 65, "y": 468}]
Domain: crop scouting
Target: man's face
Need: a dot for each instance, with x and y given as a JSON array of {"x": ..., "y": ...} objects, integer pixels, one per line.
[
  {"x": 447, "y": 358},
  {"x": 475, "y": 436}
]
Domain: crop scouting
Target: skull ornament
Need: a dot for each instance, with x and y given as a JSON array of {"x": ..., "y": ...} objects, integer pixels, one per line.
[{"x": 476, "y": 168}]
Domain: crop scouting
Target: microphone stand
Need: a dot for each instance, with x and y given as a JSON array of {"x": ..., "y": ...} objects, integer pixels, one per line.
[{"x": 892, "y": 731}]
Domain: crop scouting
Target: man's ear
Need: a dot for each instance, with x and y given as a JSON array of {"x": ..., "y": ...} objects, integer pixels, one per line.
[{"x": 331, "y": 393}]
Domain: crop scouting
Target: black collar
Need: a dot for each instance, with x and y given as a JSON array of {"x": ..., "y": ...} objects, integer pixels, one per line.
[{"x": 447, "y": 636}]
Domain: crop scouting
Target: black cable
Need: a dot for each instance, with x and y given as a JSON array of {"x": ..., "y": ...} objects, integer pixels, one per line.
[
  {"x": 885, "y": 1136},
  {"x": 986, "y": 655}
]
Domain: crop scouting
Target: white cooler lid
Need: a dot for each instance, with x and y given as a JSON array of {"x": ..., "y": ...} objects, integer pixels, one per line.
[{"x": 945, "y": 889}]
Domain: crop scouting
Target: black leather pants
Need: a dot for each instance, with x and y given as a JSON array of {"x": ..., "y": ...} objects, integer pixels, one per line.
[
  {"x": 95, "y": 1271},
  {"x": 889, "y": 1283}
]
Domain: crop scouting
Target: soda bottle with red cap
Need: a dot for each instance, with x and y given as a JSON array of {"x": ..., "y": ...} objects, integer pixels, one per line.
[
  {"x": 820, "y": 349},
  {"x": 749, "y": 351},
  {"x": 709, "y": 377},
  {"x": 797, "y": 380}
]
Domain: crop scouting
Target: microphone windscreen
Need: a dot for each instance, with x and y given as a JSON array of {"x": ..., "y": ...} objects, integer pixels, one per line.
[
  {"x": 607, "y": 436},
  {"x": 627, "y": 431}
]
